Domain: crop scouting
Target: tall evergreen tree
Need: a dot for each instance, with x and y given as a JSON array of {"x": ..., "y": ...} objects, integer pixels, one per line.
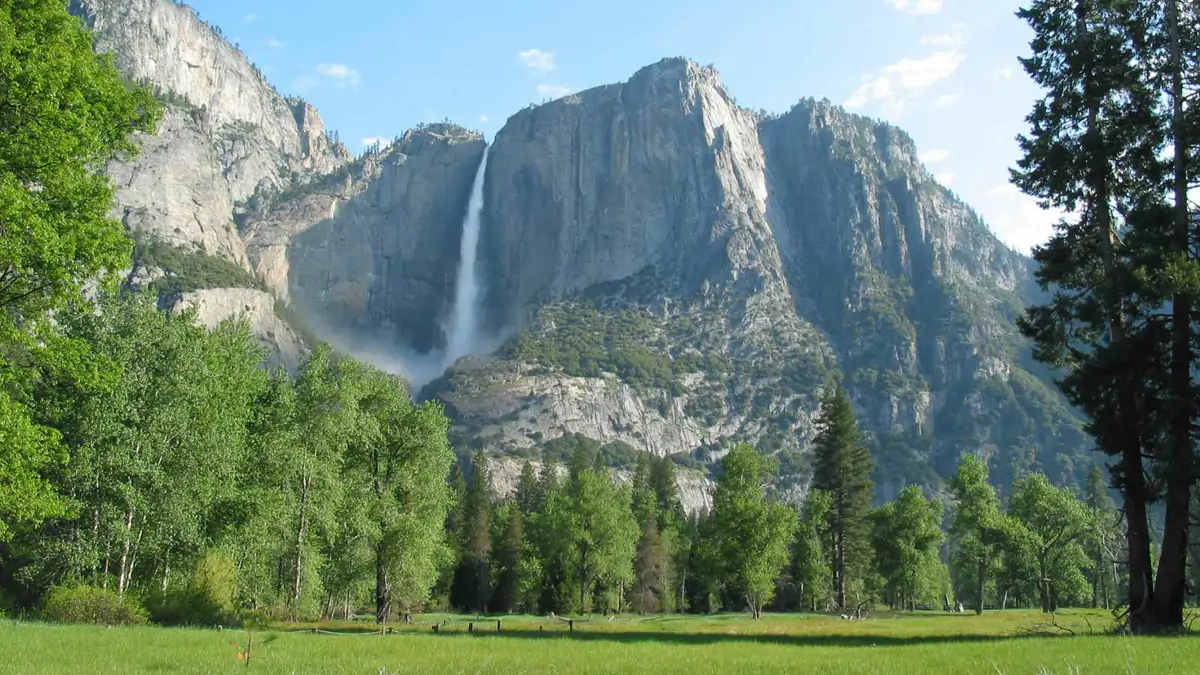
[
  {"x": 1092, "y": 152},
  {"x": 508, "y": 555},
  {"x": 843, "y": 469},
  {"x": 528, "y": 495},
  {"x": 651, "y": 570},
  {"x": 472, "y": 582}
]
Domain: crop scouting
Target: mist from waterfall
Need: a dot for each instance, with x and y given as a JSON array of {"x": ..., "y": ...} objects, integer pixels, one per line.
[
  {"x": 461, "y": 326},
  {"x": 462, "y": 336}
]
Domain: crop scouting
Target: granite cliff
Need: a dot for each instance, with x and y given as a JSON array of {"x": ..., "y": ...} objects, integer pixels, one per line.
[{"x": 662, "y": 269}]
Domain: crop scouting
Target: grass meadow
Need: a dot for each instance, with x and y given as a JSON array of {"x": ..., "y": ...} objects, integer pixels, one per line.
[{"x": 998, "y": 642}]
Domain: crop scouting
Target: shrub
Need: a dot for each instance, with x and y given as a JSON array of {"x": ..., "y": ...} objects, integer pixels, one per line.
[
  {"x": 90, "y": 604},
  {"x": 205, "y": 599},
  {"x": 189, "y": 270}
]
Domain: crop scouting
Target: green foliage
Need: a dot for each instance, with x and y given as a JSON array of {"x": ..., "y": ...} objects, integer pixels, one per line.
[
  {"x": 64, "y": 114},
  {"x": 811, "y": 570},
  {"x": 1058, "y": 523},
  {"x": 188, "y": 270},
  {"x": 615, "y": 454},
  {"x": 843, "y": 468},
  {"x": 906, "y": 535},
  {"x": 750, "y": 533},
  {"x": 472, "y": 580},
  {"x": 585, "y": 342},
  {"x": 586, "y": 529},
  {"x": 91, "y": 604},
  {"x": 207, "y": 598}
]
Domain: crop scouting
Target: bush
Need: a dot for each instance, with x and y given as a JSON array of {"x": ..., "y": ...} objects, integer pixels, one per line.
[
  {"x": 192, "y": 270},
  {"x": 89, "y": 604},
  {"x": 205, "y": 599}
]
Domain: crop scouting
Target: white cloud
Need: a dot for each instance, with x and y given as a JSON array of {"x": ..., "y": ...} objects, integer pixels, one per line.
[
  {"x": 934, "y": 156},
  {"x": 275, "y": 44},
  {"x": 372, "y": 140},
  {"x": 947, "y": 100},
  {"x": 1005, "y": 73},
  {"x": 537, "y": 60},
  {"x": 899, "y": 83},
  {"x": 553, "y": 90},
  {"x": 917, "y": 6},
  {"x": 1016, "y": 218},
  {"x": 946, "y": 179},
  {"x": 483, "y": 119},
  {"x": 341, "y": 74}
]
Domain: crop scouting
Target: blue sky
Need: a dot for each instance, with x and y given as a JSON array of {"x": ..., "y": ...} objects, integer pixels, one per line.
[{"x": 944, "y": 70}]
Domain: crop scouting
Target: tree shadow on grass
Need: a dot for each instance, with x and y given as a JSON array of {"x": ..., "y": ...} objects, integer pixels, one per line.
[{"x": 666, "y": 637}]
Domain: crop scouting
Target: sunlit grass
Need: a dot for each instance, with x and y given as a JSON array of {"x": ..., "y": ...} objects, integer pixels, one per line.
[{"x": 997, "y": 642}]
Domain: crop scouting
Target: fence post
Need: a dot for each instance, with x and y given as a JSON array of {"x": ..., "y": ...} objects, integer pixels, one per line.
[
  {"x": 436, "y": 628},
  {"x": 571, "y": 625},
  {"x": 471, "y": 627},
  {"x": 497, "y": 625}
]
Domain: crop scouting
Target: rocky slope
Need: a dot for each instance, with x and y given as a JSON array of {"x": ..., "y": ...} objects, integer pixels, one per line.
[
  {"x": 664, "y": 269},
  {"x": 699, "y": 272},
  {"x": 225, "y": 137},
  {"x": 373, "y": 247}
]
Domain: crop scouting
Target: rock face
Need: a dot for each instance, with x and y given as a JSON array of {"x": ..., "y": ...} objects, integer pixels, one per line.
[
  {"x": 226, "y": 138},
  {"x": 675, "y": 273},
  {"x": 226, "y": 134},
  {"x": 689, "y": 275},
  {"x": 373, "y": 248}
]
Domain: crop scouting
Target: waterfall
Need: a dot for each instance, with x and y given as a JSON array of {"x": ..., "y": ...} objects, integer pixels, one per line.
[{"x": 464, "y": 319}]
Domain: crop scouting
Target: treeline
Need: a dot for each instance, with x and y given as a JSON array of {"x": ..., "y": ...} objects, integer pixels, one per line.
[
  {"x": 571, "y": 539},
  {"x": 195, "y": 482}
]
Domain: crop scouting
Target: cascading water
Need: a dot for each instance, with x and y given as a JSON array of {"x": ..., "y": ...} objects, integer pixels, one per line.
[{"x": 462, "y": 336}]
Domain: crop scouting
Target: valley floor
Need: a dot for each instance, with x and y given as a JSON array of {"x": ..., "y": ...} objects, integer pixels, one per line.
[{"x": 998, "y": 642}]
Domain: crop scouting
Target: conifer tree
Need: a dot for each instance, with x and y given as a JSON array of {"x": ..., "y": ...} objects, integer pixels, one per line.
[
  {"x": 651, "y": 570},
  {"x": 843, "y": 469},
  {"x": 1092, "y": 152},
  {"x": 527, "y": 495},
  {"x": 472, "y": 582},
  {"x": 508, "y": 550}
]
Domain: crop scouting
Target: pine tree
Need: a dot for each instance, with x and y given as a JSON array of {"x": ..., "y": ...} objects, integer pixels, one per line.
[
  {"x": 472, "y": 581},
  {"x": 651, "y": 570},
  {"x": 508, "y": 557},
  {"x": 1092, "y": 152},
  {"x": 843, "y": 469},
  {"x": 528, "y": 497}
]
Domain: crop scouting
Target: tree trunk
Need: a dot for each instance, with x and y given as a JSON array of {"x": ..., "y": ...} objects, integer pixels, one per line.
[
  {"x": 981, "y": 583},
  {"x": 382, "y": 599},
  {"x": 122, "y": 578},
  {"x": 839, "y": 570},
  {"x": 301, "y": 535},
  {"x": 1170, "y": 589},
  {"x": 1043, "y": 584}
]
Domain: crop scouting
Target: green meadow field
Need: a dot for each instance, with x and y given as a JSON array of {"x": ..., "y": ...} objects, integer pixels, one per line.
[{"x": 998, "y": 642}]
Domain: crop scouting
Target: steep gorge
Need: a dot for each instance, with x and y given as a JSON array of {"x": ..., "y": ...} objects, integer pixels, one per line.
[{"x": 660, "y": 267}]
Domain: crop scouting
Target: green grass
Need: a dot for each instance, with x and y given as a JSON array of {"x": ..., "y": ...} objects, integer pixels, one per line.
[{"x": 920, "y": 643}]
